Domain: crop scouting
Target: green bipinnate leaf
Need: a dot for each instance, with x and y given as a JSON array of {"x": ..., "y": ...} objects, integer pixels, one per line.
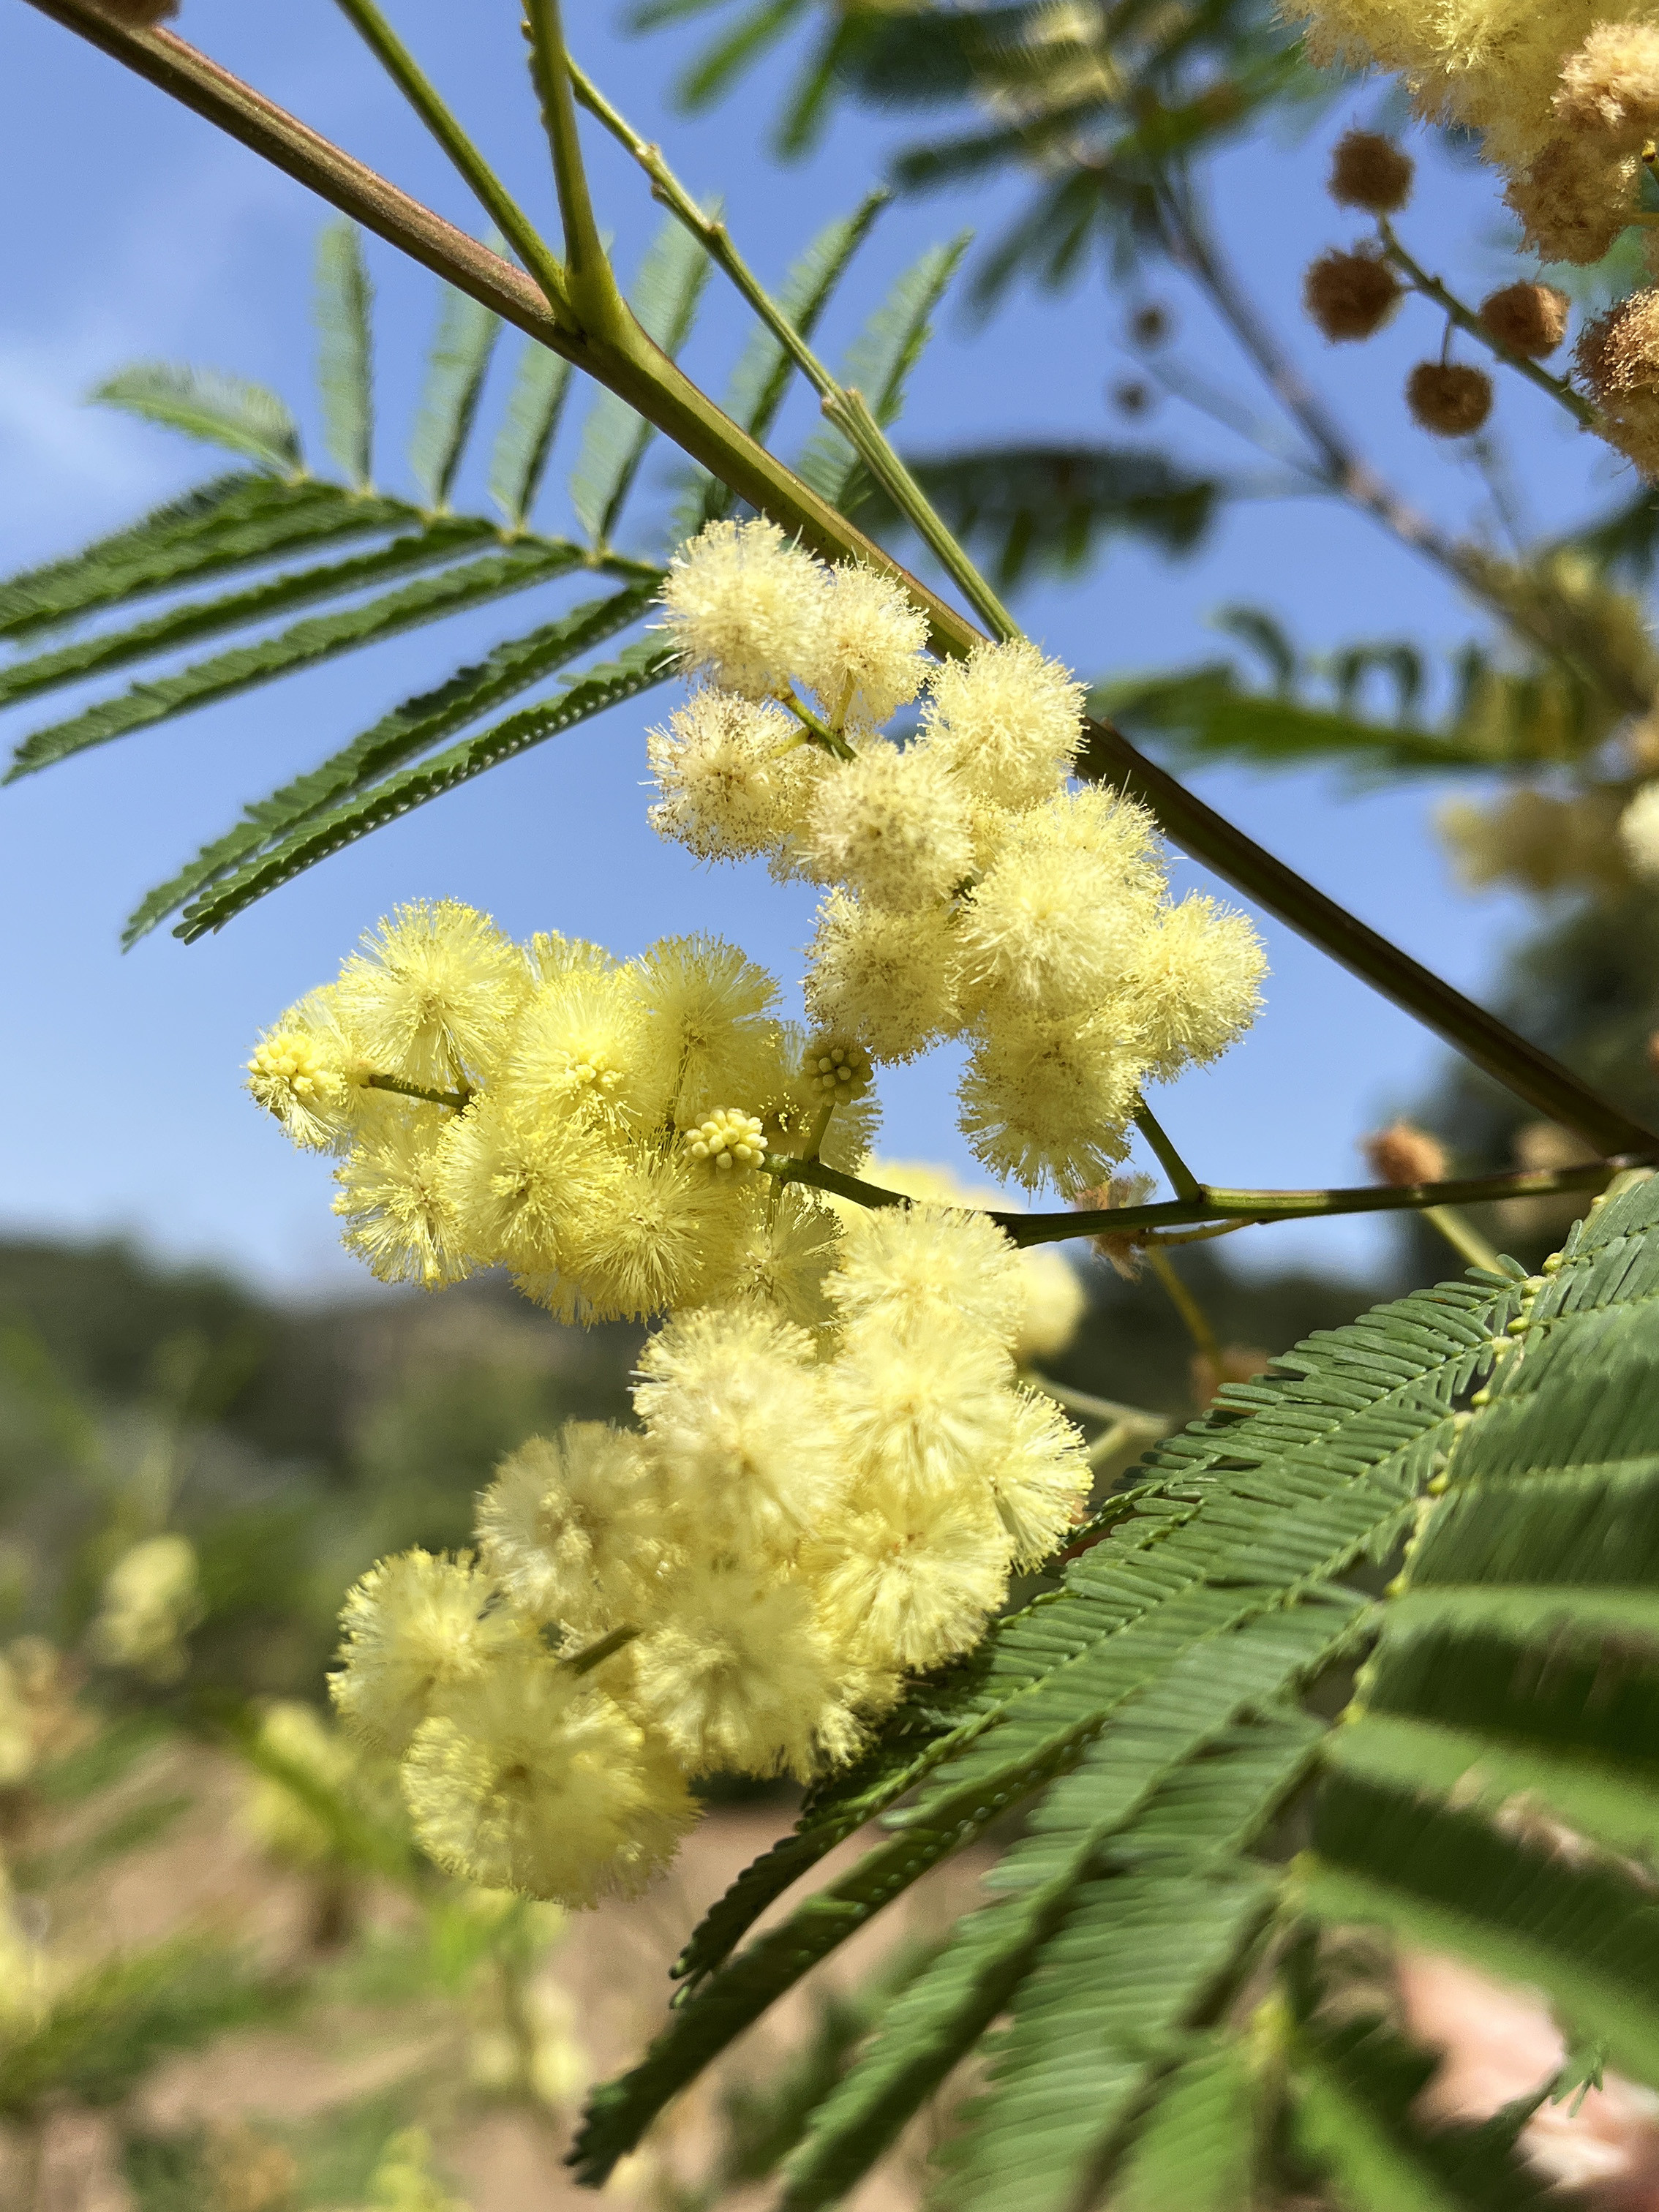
[{"x": 208, "y": 403}]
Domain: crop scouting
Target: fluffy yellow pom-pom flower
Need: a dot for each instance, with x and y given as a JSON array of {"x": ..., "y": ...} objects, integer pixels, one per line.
[
  {"x": 735, "y": 776},
  {"x": 413, "y": 1626},
  {"x": 433, "y": 995},
  {"x": 397, "y": 1215},
  {"x": 910, "y": 1584},
  {"x": 892, "y": 825},
  {"x": 1007, "y": 721},
  {"x": 918, "y": 1265},
  {"x": 742, "y": 1677},
  {"x": 745, "y": 607},
  {"x": 733, "y": 1404},
  {"x": 868, "y": 662},
  {"x": 891, "y": 980},
  {"x": 573, "y": 1530},
  {"x": 533, "y": 1779}
]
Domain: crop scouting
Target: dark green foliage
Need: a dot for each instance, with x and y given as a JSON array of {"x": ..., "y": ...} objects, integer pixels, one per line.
[
  {"x": 1025, "y": 510},
  {"x": 322, "y": 637},
  {"x": 455, "y": 384},
  {"x": 303, "y": 811},
  {"x": 234, "y": 522}
]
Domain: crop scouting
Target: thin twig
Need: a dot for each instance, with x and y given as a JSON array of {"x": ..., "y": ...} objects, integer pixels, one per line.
[
  {"x": 589, "y": 279},
  {"x": 1462, "y": 1235},
  {"x": 1230, "y": 1206},
  {"x": 1183, "y": 1180},
  {"x": 842, "y": 405},
  {"x": 1193, "y": 1318},
  {"x": 457, "y": 1101},
  {"x": 1466, "y": 320},
  {"x": 429, "y": 104}
]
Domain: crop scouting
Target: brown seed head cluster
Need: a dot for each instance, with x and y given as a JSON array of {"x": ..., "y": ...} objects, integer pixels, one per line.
[
  {"x": 1370, "y": 172},
  {"x": 1404, "y": 1154},
  {"x": 1448, "y": 398},
  {"x": 1610, "y": 87},
  {"x": 1617, "y": 357},
  {"x": 1527, "y": 319},
  {"x": 1349, "y": 295}
]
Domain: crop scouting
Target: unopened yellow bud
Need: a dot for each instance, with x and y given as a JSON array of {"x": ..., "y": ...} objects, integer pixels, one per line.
[
  {"x": 730, "y": 1141},
  {"x": 836, "y": 1065}
]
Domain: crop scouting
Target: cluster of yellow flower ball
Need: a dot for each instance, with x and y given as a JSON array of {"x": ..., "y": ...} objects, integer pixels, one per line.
[
  {"x": 971, "y": 893},
  {"x": 740, "y": 1583},
  {"x": 836, "y": 1468}
]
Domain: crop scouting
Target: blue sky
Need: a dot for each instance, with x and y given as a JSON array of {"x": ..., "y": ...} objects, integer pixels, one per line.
[{"x": 146, "y": 235}]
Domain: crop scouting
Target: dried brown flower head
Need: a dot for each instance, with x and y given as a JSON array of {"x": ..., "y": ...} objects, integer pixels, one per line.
[
  {"x": 1370, "y": 172},
  {"x": 1403, "y": 1154},
  {"x": 1123, "y": 1253},
  {"x": 1617, "y": 357},
  {"x": 1529, "y": 319},
  {"x": 1448, "y": 398},
  {"x": 1349, "y": 295},
  {"x": 1574, "y": 199},
  {"x": 1610, "y": 87}
]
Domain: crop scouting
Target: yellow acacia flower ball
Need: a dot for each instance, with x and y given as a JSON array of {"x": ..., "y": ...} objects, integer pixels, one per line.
[
  {"x": 1007, "y": 721},
  {"x": 413, "y": 1626},
  {"x": 869, "y": 659},
  {"x": 533, "y": 1779},
  {"x": 508, "y": 1180},
  {"x": 665, "y": 1235},
  {"x": 912, "y": 1582},
  {"x": 744, "y": 607},
  {"x": 782, "y": 1256},
  {"x": 734, "y": 776},
  {"x": 1195, "y": 984},
  {"x": 710, "y": 1027},
  {"x": 917, "y": 1408},
  {"x": 732, "y": 1402},
  {"x": 917, "y": 1265},
  {"x": 1051, "y": 1101},
  {"x": 1040, "y": 1479},
  {"x": 573, "y": 1530},
  {"x": 890, "y": 826},
  {"x": 741, "y": 1676},
  {"x": 889, "y": 979},
  {"x": 1046, "y": 929},
  {"x": 582, "y": 1048},
  {"x": 397, "y": 1216},
  {"x": 433, "y": 994}
]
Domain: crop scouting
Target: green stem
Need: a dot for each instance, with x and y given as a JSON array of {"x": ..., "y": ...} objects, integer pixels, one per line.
[
  {"x": 1085, "y": 1402},
  {"x": 429, "y": 104},
  {"x": 1183, "y": 1180},
  {"x": 1193, "y": 1318},
  {"x": 849, "y": 411},
  {"x": 1466, "y": 320},
  {"x": 843, "y": 404},
  {"x": 813, "y": 727},
  {"x": 457, "y": 1101},
  {"x": 1462, "y": 1235},
  {"x": 1235, "y": 1208},
  {"x": 589, "y": 279},
  {"x": 628, "y": 364},
  {"x": 595, "y": 1654}
]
